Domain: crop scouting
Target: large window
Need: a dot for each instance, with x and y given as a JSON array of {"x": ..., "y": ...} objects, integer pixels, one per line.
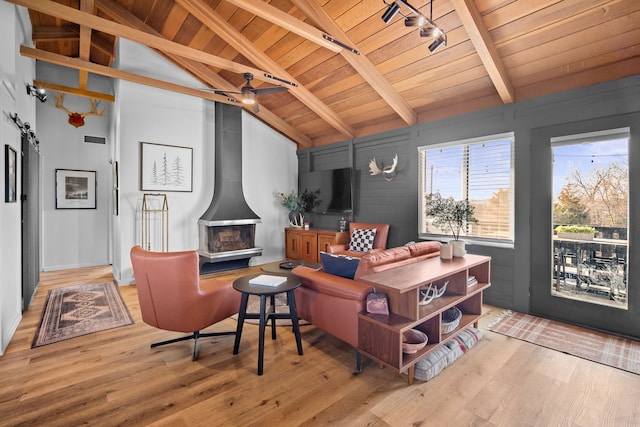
[{"x": 479, "y": 170}]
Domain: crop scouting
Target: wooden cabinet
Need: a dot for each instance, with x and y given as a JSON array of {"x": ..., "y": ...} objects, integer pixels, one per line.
[
  {"x": 380, "y": 337},
  {"x": 310, "y": 247},
  {"x": 327, "y": 238},
  {"x": 293, "y": 243},
  {"x": 307, "y": 244}
]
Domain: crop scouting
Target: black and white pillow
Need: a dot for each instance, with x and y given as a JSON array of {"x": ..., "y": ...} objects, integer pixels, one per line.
[{"x": 362, "y": 239}]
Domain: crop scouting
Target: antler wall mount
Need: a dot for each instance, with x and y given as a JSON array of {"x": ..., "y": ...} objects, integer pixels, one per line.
[
  {"x": 388, "y": 172},
  {"x": 77, "y": 119}
]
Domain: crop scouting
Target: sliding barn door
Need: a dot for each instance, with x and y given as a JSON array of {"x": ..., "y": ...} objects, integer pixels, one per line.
[{"x": 30, "y": 197}]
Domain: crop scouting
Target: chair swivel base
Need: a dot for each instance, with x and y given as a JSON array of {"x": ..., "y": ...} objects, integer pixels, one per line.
[{"x": 193, "y": 337}]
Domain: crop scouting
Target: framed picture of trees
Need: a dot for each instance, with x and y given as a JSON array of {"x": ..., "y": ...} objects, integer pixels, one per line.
[{"x": 165, "y": 167}]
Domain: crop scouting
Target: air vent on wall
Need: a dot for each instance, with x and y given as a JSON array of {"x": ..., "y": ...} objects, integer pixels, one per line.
[{"x": 94, "y": 139}]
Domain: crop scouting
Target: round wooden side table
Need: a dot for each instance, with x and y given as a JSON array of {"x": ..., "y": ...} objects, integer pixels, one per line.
[{"x": 263, "y": 291}]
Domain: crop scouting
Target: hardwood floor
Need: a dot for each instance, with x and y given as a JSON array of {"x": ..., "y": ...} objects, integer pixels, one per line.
[{"x": 114, "y": 378}]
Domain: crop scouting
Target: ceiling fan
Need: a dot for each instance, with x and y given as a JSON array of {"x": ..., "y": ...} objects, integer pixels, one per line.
[{"x": 249, "y": 93}]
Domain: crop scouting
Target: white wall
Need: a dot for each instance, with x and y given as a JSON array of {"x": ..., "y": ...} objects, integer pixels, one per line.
[
  {"x": 80, "y": 238},
  {"x": 161, "y": 117},
  {"x": 147, "y": 114},
  {"x": 269, "y": 166},
  {"x": 15, "y": 72},
  {"x": 73, "y": 238}
]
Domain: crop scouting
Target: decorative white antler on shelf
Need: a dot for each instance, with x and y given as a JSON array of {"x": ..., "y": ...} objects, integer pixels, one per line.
[
  {"x": 387, "y": 172},
  {"x": 297, "y": 221},
  {"x": 429, "y": 293},
  {"x": 77, "y": 119}
]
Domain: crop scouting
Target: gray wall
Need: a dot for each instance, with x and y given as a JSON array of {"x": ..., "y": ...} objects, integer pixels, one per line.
[{"x": 396, "y": 202}]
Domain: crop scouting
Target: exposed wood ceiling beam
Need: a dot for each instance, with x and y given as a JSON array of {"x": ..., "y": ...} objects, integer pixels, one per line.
[
  {"x": 240, "y": 43},
  {"x": 48, "y": 33},
  {"x": 75, "y": 91},
  {"x": 200, "y": 71},
  {"x": 73, "y": 15},
  {"x": 103, "y": 45},
  {"x": 286, "y": 21},
  {"x": 481, "y": 40},
  {"x": 79, "y": 64},
  {"x": 360, "y": 63},
  {"x": 85, "y": 43}
]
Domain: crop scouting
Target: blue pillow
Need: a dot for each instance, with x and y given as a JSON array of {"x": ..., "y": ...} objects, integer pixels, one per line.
[{"x": 339, "y": 265}]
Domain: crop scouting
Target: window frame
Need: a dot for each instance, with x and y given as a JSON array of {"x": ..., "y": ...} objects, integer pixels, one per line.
[{"x": 485, "y": 241}]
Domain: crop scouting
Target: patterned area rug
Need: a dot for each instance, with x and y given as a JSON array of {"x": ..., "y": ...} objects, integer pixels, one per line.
[
  {"x": 80, "y": 310},
  {"x": 596, "y": 346}
]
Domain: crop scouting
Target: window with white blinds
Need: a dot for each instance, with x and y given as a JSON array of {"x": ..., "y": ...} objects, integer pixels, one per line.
[{"x": 479, "y": 170}]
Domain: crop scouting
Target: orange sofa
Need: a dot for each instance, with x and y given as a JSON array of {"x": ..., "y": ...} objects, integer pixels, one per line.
[{"x": 332, "y": 303}]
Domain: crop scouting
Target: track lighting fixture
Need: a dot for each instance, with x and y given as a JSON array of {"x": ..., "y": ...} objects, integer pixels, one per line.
[
  {"x": 38, "y": 92},
  {"x": 425, "y": 25}
]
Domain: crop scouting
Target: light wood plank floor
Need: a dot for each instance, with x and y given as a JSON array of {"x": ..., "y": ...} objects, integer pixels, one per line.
[{"x": 113, "y": 378}]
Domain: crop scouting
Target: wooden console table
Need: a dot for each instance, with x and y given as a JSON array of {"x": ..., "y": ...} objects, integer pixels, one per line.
[{"x": 380, "y": 336}]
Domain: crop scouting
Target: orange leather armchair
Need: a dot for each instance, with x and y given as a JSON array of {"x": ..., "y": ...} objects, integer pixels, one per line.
[
  {"x": 174, "y": 298},
  {"x": 379, "y": 242}
]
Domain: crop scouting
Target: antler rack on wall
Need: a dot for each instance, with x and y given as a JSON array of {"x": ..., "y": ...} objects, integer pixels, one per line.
[{"x": 77, "y": 119}]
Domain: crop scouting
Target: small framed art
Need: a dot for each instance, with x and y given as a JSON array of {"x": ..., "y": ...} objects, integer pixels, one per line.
[
  {"x": 75, "y": 189},
  {"x": 10, "y": 174}
]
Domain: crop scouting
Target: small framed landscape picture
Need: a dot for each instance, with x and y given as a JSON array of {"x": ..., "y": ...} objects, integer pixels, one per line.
[
  {"x": 75, "y": 189},
  {"x": 165, "y": 167},
  {"x": 10, "y": 174}
]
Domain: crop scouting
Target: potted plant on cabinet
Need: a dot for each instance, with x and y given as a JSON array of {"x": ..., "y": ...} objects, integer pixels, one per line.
[
  {"x": 309, "y": 200},
  {"x": 291, "y": 201},
  {"x": 450, "y": 215},
  {"x": 298, "y": 205}
]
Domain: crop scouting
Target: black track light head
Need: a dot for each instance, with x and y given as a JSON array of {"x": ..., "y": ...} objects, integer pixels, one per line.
[
  {"x": 37, "y": 92},
  {"x": 440, "y": 40},
  {"x": 392, "y": 10},
  {"x": 415, "y": 21},
  {"x": 427, "y": 32}
]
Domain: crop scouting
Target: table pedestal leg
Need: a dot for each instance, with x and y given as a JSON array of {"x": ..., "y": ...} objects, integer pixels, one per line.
[
  {"x": 273, "y": 319},
  {"x": 241, "y": 314},
  {"x": 293, "y": 312},
  {"x": 263, "y": 321}
]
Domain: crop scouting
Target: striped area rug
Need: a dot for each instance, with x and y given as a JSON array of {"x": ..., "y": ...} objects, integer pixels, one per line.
[{"x": 596, "y": 346}]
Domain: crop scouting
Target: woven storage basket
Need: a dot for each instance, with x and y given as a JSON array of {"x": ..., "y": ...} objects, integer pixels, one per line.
[
  {"x": 413, "y": 341},
  {"x": 450, "y": 319}
]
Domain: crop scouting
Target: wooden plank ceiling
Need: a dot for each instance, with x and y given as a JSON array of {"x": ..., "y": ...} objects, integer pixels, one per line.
[{"x": 497, "y": 51}]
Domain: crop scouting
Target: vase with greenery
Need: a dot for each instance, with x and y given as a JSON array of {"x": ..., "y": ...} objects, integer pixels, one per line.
[
  {"x": 452, "y": 216},
  {"x": 292, "y": 202}
]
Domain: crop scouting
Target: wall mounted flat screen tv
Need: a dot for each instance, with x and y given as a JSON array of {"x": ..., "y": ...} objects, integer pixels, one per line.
[{"x": 335, "y": 187}]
